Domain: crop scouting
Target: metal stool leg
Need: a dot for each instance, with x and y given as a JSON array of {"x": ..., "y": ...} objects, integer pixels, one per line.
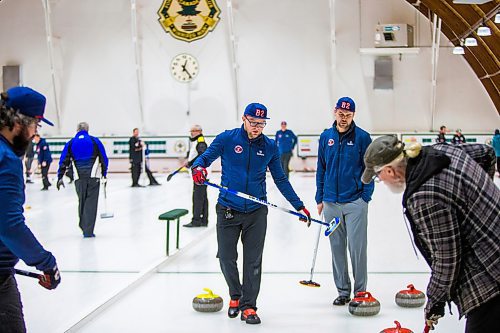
[
  {"x": 168, "y": 236},
  {"x": 178, "y": 223}
]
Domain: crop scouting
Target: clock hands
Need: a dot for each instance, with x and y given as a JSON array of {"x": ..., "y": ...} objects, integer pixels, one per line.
[{"x": 185, "y": 70}]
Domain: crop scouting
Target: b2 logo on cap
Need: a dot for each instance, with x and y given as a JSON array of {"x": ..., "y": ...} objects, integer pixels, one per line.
[
  {"x": 238, "y": 149},
  {"x": 260, "y": 113},
  {"x": 346, "y": 105},
  {"x": 331, "y": 142}
]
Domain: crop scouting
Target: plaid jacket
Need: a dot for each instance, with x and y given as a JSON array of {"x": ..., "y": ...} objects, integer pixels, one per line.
[{"x": 454, "y": 210}]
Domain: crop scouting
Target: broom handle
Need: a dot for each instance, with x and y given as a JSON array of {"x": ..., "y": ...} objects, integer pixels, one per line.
[{"x": 315, "y": 252}]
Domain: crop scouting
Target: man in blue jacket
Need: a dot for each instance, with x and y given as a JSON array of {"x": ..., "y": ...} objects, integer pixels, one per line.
[
  {"x": 286, "y": 141},
  {"x": 21, "y": 109},
  {"x": 44, "y": 159},
  {"x": 91, "y": 162},
  {"x": 341, "y": 193},
  {"x": 245, "y": 155}
]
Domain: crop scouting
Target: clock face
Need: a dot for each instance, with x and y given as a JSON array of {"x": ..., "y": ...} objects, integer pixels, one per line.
[{"x": 184, "y": 67}]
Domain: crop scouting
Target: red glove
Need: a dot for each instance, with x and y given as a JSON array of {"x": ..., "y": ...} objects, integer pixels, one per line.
[
  {"x": 199, "y": 175},
  {"x": 50, "y": 279},
  {"x": 304, "y": 211}
]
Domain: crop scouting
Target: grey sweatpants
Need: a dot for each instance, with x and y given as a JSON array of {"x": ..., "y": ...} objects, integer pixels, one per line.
[{"x": 352, "y": 233}]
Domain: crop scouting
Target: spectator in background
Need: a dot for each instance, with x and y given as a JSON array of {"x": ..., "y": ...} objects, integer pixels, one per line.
[
  {"x": 286, "y": 141},
  {"x": 135, "y": 154},
  {"x": 197, "y": 146},
  {"x": 495, "y": 142},
  {"x": 441, "y": 138},
  {"x": 28, "y": 161},
  {"x": 44, "y": 159},
  {"x": 458, "y": 138}
]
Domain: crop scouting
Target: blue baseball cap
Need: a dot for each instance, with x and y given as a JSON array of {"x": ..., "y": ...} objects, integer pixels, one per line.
[
  {"x": 27, "y": 102},
  {"x": 256, "y": 110},
  {"x": 346, "y": 103}
]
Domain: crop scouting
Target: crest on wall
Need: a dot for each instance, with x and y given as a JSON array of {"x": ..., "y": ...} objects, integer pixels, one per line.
[{"x": 188, "y": 20}]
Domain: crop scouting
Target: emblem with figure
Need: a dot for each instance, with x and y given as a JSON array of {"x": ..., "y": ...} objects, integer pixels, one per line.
[{"x": 188, "y": 20}]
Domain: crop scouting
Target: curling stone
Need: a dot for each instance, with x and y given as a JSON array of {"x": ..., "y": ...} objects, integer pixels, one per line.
[
  {"x": 208, "y": 302},
  {"x": 397, "y": 329},
  {"x": 410, "y": 298},
  {"x": 364, "y": 304}
]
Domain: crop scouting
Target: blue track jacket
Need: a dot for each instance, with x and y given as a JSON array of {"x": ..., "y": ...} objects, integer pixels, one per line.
[
  {"x": 286, "y": 141},
  {"x": 244, "y": 164},
  {"x": 87, "y": 152},
  {"x": 43, "y": 152},
  {"x": 16, "y": 239},
  {"x": 340, "y": 166}
]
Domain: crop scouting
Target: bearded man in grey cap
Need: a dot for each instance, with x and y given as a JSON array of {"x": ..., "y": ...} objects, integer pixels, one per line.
[{"x": 453, "y": 208}]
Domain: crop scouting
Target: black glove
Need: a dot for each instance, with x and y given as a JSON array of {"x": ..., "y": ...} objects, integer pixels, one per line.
[
  {"x": 434, "y": 314},
  {"x": 60, "y": 183},
  {"x": 50, "y": 278}
]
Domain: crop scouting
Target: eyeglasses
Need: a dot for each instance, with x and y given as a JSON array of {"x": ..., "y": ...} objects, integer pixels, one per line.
[
  {"x": 376, "y": 176},
  {"x": 256, "y": 124}
]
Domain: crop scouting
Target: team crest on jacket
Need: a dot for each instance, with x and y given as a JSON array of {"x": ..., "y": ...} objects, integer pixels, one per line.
[
  {"x": 188, "y": 20},
  {"x": 238, "y": 149},
  {"x": 331, "y": 142},
  {"x": 260, "y": 153}
]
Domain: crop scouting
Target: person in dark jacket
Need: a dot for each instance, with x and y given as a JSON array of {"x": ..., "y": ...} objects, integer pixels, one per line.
[
  {"x": 340, "y": 193},
  {"x": 44, "y": 159},
  {"x": 87, "y": 154},
  {"x": 28, "y": 161},
  {"x": 136, "y": 147},
  {"x": 200, "y": 200},
  {"x": 441, "y": 138},
  {"x": 453, "y": 208},
  {"x": 458, "y": 138},
  {"x": 245, "y": 156},
  {"x": 21, "y": 110},
  {"x": 286, "y": 141}
]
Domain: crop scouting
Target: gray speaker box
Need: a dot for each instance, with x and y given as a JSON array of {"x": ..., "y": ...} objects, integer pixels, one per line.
[
  {"x": 383, "y": 74},
  {"x": 11, "y": 76}
]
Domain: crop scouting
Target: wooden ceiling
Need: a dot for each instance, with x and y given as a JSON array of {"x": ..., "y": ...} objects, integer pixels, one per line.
[{"x": 461, "y": 21}]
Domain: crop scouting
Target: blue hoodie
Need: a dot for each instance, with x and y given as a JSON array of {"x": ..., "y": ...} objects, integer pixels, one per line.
[
  {"x": 16, "y": 239},
  {"x": 244, "y": 164},
  {"x": 340, "y": 166},
  {"x": 87, "y": 152}
]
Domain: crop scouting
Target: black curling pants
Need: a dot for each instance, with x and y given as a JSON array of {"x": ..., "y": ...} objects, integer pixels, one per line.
[
  {"x": 252, "y": 228},
  {"x": 88, "y": 197}
]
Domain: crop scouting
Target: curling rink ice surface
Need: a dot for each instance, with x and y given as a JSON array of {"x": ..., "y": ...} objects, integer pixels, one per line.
[{"x": 121, "y": 281}]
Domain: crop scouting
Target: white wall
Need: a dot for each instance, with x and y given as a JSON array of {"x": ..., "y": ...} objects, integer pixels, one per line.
[{"x": 283, "y": 54}]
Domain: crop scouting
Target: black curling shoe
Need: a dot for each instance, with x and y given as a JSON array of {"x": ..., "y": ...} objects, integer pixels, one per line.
[
  {"x": 250, "y": 316},
  {"x": 234, "y": 308},
  {"x": 341, "y": 300}
]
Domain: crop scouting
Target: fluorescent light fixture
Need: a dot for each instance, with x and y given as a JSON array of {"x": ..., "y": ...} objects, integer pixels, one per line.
[
  {"x": 497, "y": 18},
  {"x": 458, "y": 50},
  {"x": 470, "y": 41},
  {"x": 483, "y": 31},
  {"x": 470, "y": 2}
]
